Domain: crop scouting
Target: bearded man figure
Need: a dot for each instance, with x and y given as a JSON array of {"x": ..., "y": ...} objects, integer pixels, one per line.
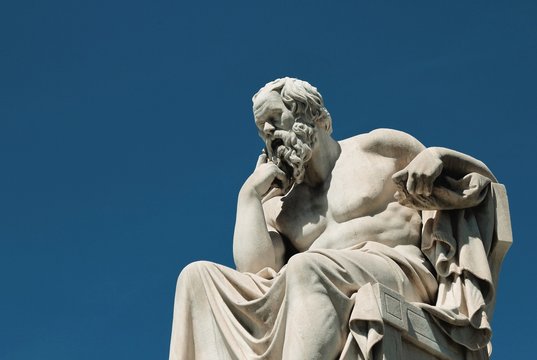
[{"x": 318, "y": 221}]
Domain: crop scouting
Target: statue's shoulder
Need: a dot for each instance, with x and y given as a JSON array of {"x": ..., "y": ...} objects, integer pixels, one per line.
[{"x": 386, "y": 142}]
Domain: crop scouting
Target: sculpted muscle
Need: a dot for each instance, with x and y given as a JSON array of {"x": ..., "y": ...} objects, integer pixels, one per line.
[
  {"x": 317, "y": 225},
  {"x": 356, "y": 204}
]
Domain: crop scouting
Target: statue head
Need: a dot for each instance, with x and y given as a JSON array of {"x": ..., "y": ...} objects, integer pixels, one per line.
[
  {"x": 288, "y": 114},
  {"x": 302, "y": 99}
]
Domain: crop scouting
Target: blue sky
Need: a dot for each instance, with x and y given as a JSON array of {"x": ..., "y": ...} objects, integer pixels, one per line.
[{"x": 126, "y": 133}]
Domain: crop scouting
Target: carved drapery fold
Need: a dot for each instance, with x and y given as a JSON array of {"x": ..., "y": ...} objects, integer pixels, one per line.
[{"x": 466, "y": 232}]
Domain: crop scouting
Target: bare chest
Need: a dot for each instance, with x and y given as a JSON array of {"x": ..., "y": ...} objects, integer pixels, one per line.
[{"x": 354, "y": 192}]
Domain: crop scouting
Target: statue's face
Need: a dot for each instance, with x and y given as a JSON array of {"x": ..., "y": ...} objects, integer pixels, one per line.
[
  {"x": 271, "y": 115},
  {"x": 288, "y": 143}
]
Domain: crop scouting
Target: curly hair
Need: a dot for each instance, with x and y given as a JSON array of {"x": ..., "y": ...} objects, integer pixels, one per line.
[{"x": 302, "y": 99}]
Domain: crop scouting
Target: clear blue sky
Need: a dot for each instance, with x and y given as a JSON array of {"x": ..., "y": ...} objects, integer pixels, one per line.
[{"x": 126, "y": 133}]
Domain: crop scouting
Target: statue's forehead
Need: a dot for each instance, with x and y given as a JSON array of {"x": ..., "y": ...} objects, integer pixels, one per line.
[{"x": 266, "y": 98}]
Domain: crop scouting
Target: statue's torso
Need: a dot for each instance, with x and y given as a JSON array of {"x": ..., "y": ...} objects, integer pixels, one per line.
[{"x": 355, "y": 205}]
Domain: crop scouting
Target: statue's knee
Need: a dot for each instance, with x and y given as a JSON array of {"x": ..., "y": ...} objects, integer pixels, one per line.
[
  {"x": 191, "y": 277},
  {"x": 304, "y": 270}
]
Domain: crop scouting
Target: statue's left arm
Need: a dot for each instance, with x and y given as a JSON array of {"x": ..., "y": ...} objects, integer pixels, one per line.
[
  {"x": 419, "y": 175},
  {"x": 418, "y": 167}
]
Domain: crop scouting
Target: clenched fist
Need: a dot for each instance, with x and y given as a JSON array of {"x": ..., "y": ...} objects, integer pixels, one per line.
[{"x": 418, "y": 177}]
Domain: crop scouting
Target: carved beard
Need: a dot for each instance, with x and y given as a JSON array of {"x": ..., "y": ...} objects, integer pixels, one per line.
[{"x": 291, "y": 150}]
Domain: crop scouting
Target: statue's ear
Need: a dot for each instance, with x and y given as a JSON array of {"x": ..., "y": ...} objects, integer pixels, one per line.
[{"x": 324, "y": 120}]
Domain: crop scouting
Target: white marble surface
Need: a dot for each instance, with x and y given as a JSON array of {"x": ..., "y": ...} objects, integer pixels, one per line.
[{"x": 319, "y": 221}]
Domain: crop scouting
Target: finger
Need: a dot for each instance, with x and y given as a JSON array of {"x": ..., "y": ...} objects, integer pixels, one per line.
[
  {"x": 400, "y": 177},
  {"x": 420, "y": 184},
  {"x": 261, "y": 159},
  {"x": 411, "y": 184},
  {"x": 273, "y": 192},
  {"x": 282, "y": 176},
  {"x": 428, "y": 188}
]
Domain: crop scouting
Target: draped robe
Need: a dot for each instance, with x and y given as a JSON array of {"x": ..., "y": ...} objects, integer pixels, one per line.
[{"x": 221, "y": 313}]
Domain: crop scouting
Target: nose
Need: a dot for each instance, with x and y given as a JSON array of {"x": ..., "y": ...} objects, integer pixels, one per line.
[{"x": 268, "y": 128}]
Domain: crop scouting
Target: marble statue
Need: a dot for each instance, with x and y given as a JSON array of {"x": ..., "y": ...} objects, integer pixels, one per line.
[{"x": 320, "y": 221}]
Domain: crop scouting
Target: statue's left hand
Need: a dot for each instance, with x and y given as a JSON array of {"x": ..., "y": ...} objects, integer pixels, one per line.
[{"x": 419, "y": 175}]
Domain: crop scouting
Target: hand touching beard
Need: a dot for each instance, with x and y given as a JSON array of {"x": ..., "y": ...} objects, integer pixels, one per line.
[{"x": 291, "y": 150}]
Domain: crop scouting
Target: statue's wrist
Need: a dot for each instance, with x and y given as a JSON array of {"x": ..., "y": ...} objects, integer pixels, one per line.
[
  {"x": 248, "y": 192},
  {"x": 436, "y": 152}
]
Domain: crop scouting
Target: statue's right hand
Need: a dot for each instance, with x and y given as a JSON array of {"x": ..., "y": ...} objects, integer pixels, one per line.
[{"x": 261, "y": 182}]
